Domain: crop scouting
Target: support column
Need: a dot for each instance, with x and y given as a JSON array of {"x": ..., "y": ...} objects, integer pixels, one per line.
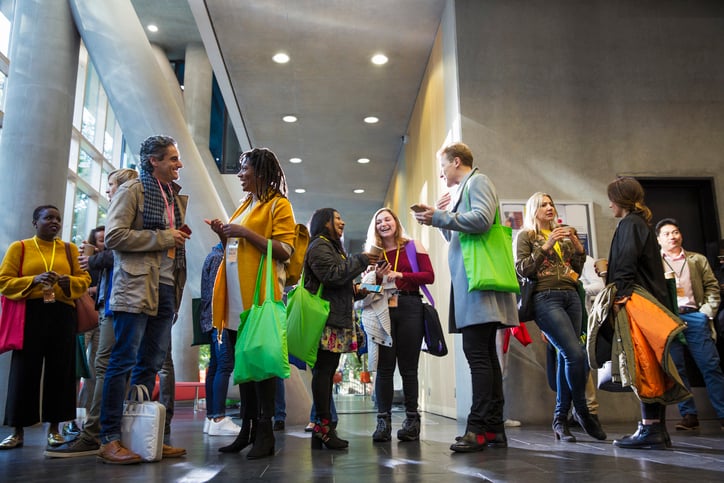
[
  {"x": 38, "y": 121},
  {"x": 144, "y": 105}
]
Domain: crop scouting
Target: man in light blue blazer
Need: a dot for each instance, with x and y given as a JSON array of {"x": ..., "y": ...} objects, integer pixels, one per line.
[{"x": 476, "y": 314}]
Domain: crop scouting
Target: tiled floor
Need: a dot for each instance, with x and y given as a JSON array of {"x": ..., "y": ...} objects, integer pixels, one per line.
[{"x": 533, "y": 456}]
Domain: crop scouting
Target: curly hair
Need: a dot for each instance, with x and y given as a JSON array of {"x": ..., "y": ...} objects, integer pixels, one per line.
[
  {"x": 268, "y": 171},
  {"x": 154, "y": 147},
  {"x": 629, "y": 195}
]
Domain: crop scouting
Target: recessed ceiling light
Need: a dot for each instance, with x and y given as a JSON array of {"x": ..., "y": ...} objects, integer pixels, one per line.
[
  {"x": 300, "y": 190},
  {"x": 152, "y": 27},
  {"x": 280, "y": 58},
  {"x": 359, "y": 191},
  {"x": 363, "y": 160},
  {"x": 295, "y": 160},
  {"x": 372, "y": 119},
  {"x": 379, "y": 59},
  {"x": 289, "y": 118}
]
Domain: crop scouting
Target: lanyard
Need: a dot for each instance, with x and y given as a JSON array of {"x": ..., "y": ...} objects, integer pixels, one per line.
[
  {"x": 397, "y": 257},
  {"x": 170, "y": 210},
  {"x": 683, "y": 265},
  {"x": 45, "y": 262},
  {"x": 327, "y": 239}
]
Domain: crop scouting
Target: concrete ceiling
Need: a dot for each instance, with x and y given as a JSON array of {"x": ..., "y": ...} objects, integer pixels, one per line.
[{"x": 329, "y": 84}]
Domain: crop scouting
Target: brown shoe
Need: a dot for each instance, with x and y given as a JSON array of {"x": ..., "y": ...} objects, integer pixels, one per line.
[
  {"x": 690, "y": 422},
  {"x": 115, "y": 454},
  {"x": 171, "y": 452}
]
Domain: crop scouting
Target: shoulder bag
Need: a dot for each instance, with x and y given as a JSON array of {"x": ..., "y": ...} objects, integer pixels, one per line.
[
  {"x": 434, "y": 341},
  {"x": 526, "y": 305},
  {"x": 307, "y": 315},
  {"x": 261, "y": 346},
  {"x": 12, "y": 317},
  {"x": 142, "y": 424},
  {"x": 488, "y": 257},
  {"x": 85, "y": 307}
]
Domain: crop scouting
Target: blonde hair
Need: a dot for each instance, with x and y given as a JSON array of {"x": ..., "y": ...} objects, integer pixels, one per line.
[
  {"x": 531, "y": 208},
  {"x": 373, "y": 238},
  {"x": 122, "y": 175}
]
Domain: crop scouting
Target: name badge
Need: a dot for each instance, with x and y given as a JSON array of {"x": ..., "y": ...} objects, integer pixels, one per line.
[
  {"x": 232, "y": 250},
  {"x": 392, "y": 301}
]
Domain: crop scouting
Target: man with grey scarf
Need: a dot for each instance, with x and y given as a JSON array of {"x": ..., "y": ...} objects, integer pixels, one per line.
[{"x": 146, "y": 231}]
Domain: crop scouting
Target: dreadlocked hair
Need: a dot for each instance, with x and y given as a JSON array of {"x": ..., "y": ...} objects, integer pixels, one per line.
[{"x": 269, "y": 172}]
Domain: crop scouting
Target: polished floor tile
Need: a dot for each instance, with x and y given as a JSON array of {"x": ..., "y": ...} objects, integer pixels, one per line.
[{"x": 533, "y": 456}]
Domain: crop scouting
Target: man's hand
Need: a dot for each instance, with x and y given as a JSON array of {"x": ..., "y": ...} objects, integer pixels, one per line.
[
  {"x": 180, "y": 237},
  {"x": 425, "y": 217}
]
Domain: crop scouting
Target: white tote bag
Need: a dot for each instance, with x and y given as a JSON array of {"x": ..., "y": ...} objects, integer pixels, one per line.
[{"x": 142, "y": 424}]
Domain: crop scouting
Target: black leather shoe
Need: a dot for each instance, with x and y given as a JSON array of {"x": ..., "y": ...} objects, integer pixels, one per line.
[
  {"x": 496, "y": 440},
  {"x": 590, "y": 424},
  {"x": 279, "y": 425},
  {"x": 470, "y": 443},
  {"x": 647, "y": 436}
]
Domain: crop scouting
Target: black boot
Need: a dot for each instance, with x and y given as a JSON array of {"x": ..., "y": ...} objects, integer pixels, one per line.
[
  {"x": 560, "y": 429},
  {"x": 469, "y": 443},
  {"x": 647, "y": 436},
  {"x": 383, "y": 432},
  {"x": 244, "y": 438},
  {"x": 263, "y": 440},
  {"x": 590, "y": 424},
  {"x": 410, "y": 430},
  {"x": 326, "y": 435}
]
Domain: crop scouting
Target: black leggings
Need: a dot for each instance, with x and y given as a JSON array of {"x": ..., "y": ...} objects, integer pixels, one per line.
[{"x": 322, "y": 381}]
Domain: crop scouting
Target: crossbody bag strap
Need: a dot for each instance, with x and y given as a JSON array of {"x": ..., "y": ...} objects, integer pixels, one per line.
[{"x": 411, "y": 252}]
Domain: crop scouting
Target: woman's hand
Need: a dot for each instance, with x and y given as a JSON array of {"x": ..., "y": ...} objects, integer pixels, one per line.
[
  {"x": 47, "y": 278},
  {"x": 217, "y": 227},
  {"x": 231, "y": 230},
  {"x": 64, "y": 284},
  {"x": 557, "y": 234},
  {"x": 619, "y": 303}
]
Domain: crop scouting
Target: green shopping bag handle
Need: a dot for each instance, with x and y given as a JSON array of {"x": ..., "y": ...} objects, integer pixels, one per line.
[
  {"x": 467, "y": 203},
  {"x": 301, "y": 283},
  {"x": 269, "y": 283}
]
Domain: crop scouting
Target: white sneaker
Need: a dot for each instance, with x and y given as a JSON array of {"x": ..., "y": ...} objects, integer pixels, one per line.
[
  {"x": 225, "y": 427},
  {"x": 511, "y": 423},
  {"x": 206, "y": 425}
]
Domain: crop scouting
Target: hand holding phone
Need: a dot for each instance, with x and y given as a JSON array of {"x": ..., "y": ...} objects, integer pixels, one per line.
[
  {"x": 185, "y": 228},
  {"x": 381, "y": 263},
  {"x": 417, "y": 208}
]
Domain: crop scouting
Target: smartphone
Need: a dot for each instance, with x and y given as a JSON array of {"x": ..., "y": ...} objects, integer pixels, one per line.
[
  {"x": 381, "y": 263},
  {"x": 185, "y": 228},
  {"x": 371, "y": 288},
  {"x": 418, "y": 208}
]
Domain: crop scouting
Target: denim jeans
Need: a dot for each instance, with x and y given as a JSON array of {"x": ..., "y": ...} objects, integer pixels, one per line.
[
  {"x": 140, "y": 349},
  {"x": 486, "y": 411},
  {"x": 703, "y": 351},
  {"x": 280, "y": 403},
  {"x": 407, "y": 333},
  {"x": 221, "y": 366},
  {"x": 558, "y": 314}
]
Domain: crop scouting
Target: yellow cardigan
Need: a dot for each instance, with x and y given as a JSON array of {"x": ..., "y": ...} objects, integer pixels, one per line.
[
  {"x": 16, "y": 288},
  {"x": 278, "y": 225}
]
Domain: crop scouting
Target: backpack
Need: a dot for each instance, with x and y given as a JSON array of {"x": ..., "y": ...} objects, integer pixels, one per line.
[{"x": 296, "y": 261}]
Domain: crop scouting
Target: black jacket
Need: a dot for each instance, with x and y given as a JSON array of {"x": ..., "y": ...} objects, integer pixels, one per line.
[{"x": 324, "y": 264}]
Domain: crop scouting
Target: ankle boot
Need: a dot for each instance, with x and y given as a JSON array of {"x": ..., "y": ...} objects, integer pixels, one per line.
[
  {"x": 245, "y": 437},
  {"x": 590, "y": 424},
  {"x": 384, "y": 429},
  {"x": 326, "y": 435},
  {"x": 410, "y": 430},
  {"x": 647, "y": 436},
  {"x": 560, "y": 429},
  {"x": 263, "y": 440}
]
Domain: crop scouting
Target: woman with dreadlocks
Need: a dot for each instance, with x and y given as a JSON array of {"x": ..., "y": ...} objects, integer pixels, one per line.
[{"x": 265, "y": 214}]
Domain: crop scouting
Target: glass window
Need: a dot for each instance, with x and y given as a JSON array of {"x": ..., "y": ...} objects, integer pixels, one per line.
[
  {"x": 3, "y": 80},
  {"x": 80, "y": 216},
  {"x": 90, "y": 105},
  {"x": 86, "y": 167},
  {"x": 4, "y": 34},
  {"x": 109, "y": 135}
]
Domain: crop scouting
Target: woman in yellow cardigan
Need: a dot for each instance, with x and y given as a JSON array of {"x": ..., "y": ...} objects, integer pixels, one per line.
[
  {"x": 265, "y": 214},
  {"x": 38, "y": 270}
]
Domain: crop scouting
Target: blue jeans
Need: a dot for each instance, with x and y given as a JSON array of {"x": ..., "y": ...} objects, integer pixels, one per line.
[
  {"x": 703, "y": 351},
  {"x": 280, "y": 403},
  {"x": 221, "y": 366},
  {"x": 558, "y": 314},
  {"x": 140, "y": 349}
]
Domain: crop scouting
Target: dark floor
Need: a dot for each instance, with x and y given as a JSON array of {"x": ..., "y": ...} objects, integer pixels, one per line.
[{"x": 533, "y": 456}]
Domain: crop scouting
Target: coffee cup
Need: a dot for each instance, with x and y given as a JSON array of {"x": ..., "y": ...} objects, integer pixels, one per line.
[
  {"x": 88, "y": 249},
  {"x": 601, "y": 266}
]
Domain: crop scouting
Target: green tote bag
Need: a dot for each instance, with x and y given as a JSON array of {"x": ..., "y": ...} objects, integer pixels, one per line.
[
  {"x": 261, "y": 347},
  {"x": 307, "y": 315},
  {"x": 488, "y": 257}
]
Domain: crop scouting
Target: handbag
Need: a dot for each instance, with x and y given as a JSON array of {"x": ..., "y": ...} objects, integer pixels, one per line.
[
  {"x": 526, "y": 305},
  {"x": 606, "y": 382},
  {"x": 433, "y": 341},
  {"x": 12, "y": 317},
  {"x": 488, "y": 257},
  {"x": 86, "y": 315},
  {"x": 142, "y": 424},
  {"x": 261, "y": 348},
  {"x": 307, "y": 315}
]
